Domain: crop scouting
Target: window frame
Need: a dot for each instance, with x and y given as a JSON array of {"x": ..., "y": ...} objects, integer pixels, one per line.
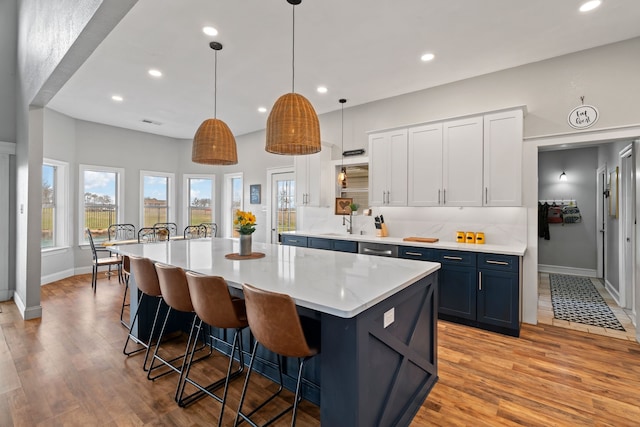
[
  {"x": 61, "y": 226},
  {"x": 186, "y": 188},
  {"x": 171, "y": 210},
  {"x": 227, "y": 218},
  {"x": 119, "y": 202}
]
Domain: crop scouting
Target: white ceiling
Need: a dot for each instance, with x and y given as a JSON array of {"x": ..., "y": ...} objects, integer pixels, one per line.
[{"x": 362, "y": 50}]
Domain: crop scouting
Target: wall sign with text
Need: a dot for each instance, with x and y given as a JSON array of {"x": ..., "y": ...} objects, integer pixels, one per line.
[{"x": 583, "y": 117}]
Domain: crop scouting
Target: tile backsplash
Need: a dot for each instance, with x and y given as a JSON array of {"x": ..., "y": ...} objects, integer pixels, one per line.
[{"x": 501, "y": 225}]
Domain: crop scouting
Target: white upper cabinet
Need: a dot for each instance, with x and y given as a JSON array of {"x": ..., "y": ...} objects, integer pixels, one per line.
[
  {"x": 472, "y": 161},
  {"x": 388, "y": 168},
  {"x": 425, "y": 165},
  {"x": 462, "y": 162},
  {"x": 309, "y": 176},
  {"x": 503, "y": 158}
]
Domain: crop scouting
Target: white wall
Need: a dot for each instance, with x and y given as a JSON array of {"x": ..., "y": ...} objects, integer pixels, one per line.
[{"x": 8, "y": 49}]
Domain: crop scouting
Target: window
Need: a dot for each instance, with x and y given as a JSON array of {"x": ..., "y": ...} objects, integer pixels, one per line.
[
  {"x": 101, "y": 200},
  {"x": 200, "y": 206},
  {"x": 54, "y": 204},
  {"x": 232, "y": 201},
  {"x": 157, "y": 198}
]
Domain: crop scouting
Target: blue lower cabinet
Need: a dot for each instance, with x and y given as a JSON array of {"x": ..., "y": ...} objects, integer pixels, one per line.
[
  {"x": 321, "y": 243},
  {"x": 475, "y": 289},
  {"x": 457, "y": 291},
  {"x": 291, "y": 240},
  {"x": 345, "y": 246},
  {"x": 317, "y": 243}
]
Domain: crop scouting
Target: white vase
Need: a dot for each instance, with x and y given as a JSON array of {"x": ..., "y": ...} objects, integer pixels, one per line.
[{"x": 245, "y": 245}]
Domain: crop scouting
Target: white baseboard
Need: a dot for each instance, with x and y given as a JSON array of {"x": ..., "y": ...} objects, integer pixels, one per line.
[
  {"x": 57, "y": 276},
  {"x": 558, "y": 269},
  {"x": 82, "y": 270},
  {"x": 612, "y": 291},
  {"x": 27, "y": 313}
]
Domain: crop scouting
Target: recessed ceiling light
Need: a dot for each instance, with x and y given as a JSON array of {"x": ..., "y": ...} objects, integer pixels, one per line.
[
  {"x": 427, "y": 57},
  {"x": 322, "y": 89},
  {"x": 210, "y": 31},
  {"x": 262, "y": 110},
  {"x": 117, "y": 98},
  {"x": 155, "y": 73},
  {"x": 590, "y": 5}
]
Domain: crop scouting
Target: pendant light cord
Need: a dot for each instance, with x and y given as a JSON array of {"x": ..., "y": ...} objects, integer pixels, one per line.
[
  {"x": 215, "y": 85},
  {"x": 342, "y": 138},
  {"x": 293, "y": 50}
]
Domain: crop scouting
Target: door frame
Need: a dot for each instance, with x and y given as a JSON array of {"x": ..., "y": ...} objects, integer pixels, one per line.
[
  {"x": 601, "y": 224},
  {"x": 270, "y": 173},
  {"x": 626, "y": 228}
]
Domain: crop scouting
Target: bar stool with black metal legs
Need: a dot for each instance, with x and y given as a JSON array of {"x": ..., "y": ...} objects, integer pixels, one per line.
[
  {"x": 126, "y": 274},
  {"x": 144, "y": 273},
  {"x": 276, "y": 325},
  {"x": 175, "y": 293},
  {"x": 214, "y": 306}
]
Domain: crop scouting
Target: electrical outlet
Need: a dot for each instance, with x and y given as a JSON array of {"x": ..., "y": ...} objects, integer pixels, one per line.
[{"x": 389, "y": 317}]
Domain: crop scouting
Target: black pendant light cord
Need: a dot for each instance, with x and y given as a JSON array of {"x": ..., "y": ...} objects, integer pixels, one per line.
[
  {"x": 215, "y": 85},
  {"x": 293, "y": 50},
  {"x": 342, "y": 136}
]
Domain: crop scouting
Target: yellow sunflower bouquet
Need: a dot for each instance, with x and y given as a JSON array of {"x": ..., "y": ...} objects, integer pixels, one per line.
[{"x": 245, "y": 222}]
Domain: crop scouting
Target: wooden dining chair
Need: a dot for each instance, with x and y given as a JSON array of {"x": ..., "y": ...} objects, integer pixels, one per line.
[
  {"x": 195, "y": 231},
  {"x": 212, "y": 229}
]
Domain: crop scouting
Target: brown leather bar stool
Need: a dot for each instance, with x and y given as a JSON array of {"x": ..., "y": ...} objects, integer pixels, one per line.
[
  {"x": 146, "y": 279},
  {"x": 175, "y": 293},
  {"x": 214, "y": 306},
  {"x": 275, "y": 323}
]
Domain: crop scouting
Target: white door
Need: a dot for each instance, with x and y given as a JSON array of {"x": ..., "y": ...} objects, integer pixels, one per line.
[{"x": 283, "y": 204}]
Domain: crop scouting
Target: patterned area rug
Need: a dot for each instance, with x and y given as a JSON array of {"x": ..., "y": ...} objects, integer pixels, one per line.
[{"x": 576, "y": 299}]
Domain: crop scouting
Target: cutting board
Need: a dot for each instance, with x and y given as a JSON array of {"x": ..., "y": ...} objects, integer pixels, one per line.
[{"x": 421, "y": 239}]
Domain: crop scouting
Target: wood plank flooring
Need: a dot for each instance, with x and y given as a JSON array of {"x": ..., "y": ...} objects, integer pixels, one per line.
[{"x": 68, "y": 369}]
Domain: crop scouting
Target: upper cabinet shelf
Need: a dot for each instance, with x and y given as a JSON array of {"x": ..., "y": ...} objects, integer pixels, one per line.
[{"x": 472, "y": 161}]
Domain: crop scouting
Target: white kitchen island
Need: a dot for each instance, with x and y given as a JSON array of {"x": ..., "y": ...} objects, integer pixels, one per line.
[{"x": 378, "y": 316}]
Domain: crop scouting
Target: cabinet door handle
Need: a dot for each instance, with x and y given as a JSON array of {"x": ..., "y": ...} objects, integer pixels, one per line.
[
  {"x": 413, "y": 253},
  {"x": 479, "y": 280},
  {"x": 497, "y": 262},
  {"x": 454, "y": 258},
  {"x": 444, "y": 196},
  {"x": 438, "y": 196},
  {"x": 486, "y": 195},
  {"x": 293, "y": 241}
]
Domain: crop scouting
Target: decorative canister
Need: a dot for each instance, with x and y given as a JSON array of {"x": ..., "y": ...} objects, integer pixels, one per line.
[
  {"x": 480, "y": 238},
  {"x": 471, "y": 237},
  {"x": 460, "y": 236}
]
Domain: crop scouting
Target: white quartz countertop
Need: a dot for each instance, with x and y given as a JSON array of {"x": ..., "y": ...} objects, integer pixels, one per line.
[
  {"x": 337, "y": 283},
  {"x": 510, "y": 249}
]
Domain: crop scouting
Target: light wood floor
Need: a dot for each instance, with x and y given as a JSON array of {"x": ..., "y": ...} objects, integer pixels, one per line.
[{"x": 68, "y": 369}]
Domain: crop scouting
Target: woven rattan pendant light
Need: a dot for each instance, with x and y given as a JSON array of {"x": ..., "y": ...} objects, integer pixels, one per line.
[
  {"x": 214, "y": 143},
  {"x": 342, "y": 176},
  {"x": 293, "y": 126}
]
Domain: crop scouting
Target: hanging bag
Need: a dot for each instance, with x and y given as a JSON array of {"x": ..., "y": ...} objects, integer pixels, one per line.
[
  {"x": 555, "y": 215},
  {"x": 571, "y": 215}
]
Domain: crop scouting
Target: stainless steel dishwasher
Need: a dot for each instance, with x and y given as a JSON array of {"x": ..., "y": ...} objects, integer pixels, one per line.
[{"x": 379, "y": 249}]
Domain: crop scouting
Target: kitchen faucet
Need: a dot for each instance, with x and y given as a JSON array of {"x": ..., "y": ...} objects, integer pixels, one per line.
[{"x": 349, "y": 220}]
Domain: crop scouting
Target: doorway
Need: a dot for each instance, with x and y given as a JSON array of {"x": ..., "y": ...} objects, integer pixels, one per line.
[
  {"x": 601, "y": 243},
  {"x": 281, "y": 193}
]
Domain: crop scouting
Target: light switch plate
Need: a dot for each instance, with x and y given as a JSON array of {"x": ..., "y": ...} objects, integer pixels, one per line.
[{"x": 389, "y": 317}]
